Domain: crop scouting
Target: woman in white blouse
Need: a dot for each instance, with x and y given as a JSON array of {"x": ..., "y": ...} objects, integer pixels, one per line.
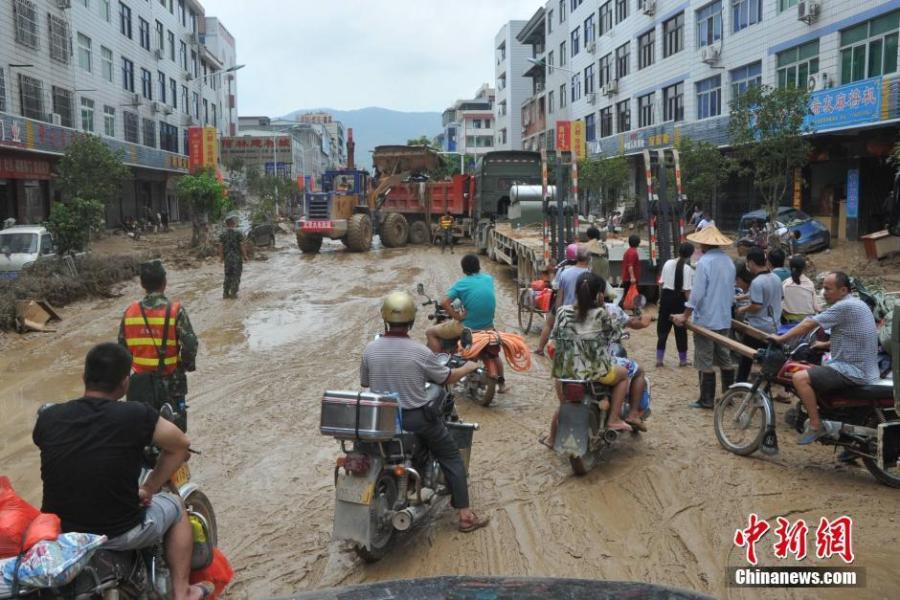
[
  {"x": 676, "y": 279},
  {"x": 800, "y": 299}
]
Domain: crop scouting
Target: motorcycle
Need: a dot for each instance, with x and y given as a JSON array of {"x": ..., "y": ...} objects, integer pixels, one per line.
[
  {"x": 866, "y": 417},
  {"x": 143, "y": 574},
  {"x": 480, "y": 386},
  {"x": 385, "y": 480}
]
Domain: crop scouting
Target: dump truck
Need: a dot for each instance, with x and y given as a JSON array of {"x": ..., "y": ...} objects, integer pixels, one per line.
[{"x": 421, "y": 203}]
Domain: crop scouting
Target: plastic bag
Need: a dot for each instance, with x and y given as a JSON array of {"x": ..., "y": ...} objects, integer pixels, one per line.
[
  {"x": 54, "y": 563},
  {"x": 219, "y": 572},
  {"x": 15, "y": 516},
  {"x": 45, "y": 526},
  {"x": 628, "y": 303}
]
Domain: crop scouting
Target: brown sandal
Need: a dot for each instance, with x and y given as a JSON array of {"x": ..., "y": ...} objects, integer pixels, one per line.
[
  {"x": 478, "y": 523},
  {"x": 637, "y": 425}
]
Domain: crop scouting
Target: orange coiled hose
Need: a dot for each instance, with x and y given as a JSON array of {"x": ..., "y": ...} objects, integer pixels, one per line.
[{"x": 516, "y": 351}]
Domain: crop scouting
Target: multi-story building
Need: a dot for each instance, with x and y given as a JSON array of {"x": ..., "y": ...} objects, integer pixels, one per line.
[
  {"x": 136, "y": 73},
  {"x": 221, "y": 46},
  {"x": 469, "y": 124},
  {"x": 534, "y": 107},
  {"x": 641, "y": 74},
  {"x": 512, "y": 87},
  {"x": 335, "y": 131}
]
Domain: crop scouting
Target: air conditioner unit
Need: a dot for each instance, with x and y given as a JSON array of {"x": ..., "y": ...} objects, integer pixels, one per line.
[
  {"x": 649, "y": 7},
  {"x": 710, "y": 54},
  {"x": 56, "y": 118},
  {"x": 188, "y": 121},
  {"x": 808, "y": 11},
  {"x": 592, "y": 47},
  {"x": 63, "y": 4},
  {"x": 166, "y": 110},
  {"x": 136, "y": 100},
  {"x": 591, "y": 98},
  {"x": 610, "y": 89},
  {"x": 818, "y": 81},
  {"x": 154, "y": 107},
  {"x": 188, "y": 76},
  {"x": 158, "y": 53}
]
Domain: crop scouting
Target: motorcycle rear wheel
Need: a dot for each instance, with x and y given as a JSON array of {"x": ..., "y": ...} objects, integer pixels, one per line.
[
  {"x": 739, "y": 420},
  {"x": 888, "y": 477},
  {"x": 482, "y": 389},
  {"x": 383, "y": 530},
  {"x": 197, "y": 502},
  {"x": 526, "y": 310},
  {"x": 581, "y": 465}
]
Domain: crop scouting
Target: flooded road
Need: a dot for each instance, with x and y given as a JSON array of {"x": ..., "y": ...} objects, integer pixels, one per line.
[{"x": 661, "y": 508}]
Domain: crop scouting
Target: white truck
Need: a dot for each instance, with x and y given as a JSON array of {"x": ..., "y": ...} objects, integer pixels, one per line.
[{"x": 23, "y": 245}]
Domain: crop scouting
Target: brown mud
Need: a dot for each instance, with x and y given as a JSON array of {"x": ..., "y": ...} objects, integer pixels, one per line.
[{"x": 661, "y": 508}]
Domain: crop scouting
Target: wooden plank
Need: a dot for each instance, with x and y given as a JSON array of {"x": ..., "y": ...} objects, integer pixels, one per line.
[
  {"x": 729, "y": 343},
  {"x": 746, "y": 329}
]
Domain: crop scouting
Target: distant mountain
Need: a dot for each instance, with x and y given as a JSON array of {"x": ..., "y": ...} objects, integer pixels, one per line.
[{"x": 375, "y": 126}]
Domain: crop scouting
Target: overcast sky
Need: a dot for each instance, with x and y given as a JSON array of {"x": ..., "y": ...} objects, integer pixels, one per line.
[{"x": 411, "y": 55}]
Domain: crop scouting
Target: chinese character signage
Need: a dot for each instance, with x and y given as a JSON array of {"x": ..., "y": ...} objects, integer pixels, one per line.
[
  {"x": 210, "y": 148},
  {"x": 24, "y": 168},
  {"x": 564, "y": 136},
  {"x": 853, "y": 193},
  {"x": 578, "y": 139},
  {"x": 195, "y": 148},
  {"x": 851, "y": 104}
]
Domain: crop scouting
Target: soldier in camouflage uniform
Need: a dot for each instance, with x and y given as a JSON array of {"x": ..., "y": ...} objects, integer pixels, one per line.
[
  {"x": 233, "y": 253},
  {"x": 153, "y": 280}
]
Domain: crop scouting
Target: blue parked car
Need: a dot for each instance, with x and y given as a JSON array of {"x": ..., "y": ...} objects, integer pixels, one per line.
[{"x": 813, "y": 235}]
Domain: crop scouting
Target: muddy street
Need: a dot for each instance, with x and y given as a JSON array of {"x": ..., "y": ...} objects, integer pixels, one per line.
[{"x": 662, "y": 507}]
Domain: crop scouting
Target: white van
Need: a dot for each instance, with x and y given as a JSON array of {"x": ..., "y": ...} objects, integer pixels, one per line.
[{"x": 21, "y": 246}]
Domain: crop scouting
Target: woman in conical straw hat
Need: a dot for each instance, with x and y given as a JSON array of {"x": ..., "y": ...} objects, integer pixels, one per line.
[{"x": 709, "y": 305}]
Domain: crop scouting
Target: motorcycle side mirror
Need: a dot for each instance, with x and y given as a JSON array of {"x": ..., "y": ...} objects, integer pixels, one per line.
[{"x": 420, "y": 289}]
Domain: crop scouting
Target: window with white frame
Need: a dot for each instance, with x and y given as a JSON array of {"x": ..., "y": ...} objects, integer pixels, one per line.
[
  {"x": 550, "y": 21},
  {"x": 131, "y": 127},
  {"x": 621, "y": 10},
  {"x": 673, "y": 35},
  {"x": 709, "y": 24},
  {"x": 160, "y": 36},
  {"x": 84, "y": 52},
  {"x": 745, "y": 77},
  {"x": 103, "y": 7},
  {"x": 623, "y": 116},
  {"x": 62, "y": 105},
  {"x": 562, "y": 11},
  {"x": 575, "y": 87},
  {"x": 183, "y": 56},
  {"x": 59, "y": 39},
  {"x": 109, "y": 121},
  {"x": 551, "y": 104},
  {"x": 673, "y": 102},
  {"x": 646, "y": 49},
  {"x": 144, "y": 33},
  {"x": 745, "y": 13},
  {"x": 196, "y": 102},
  {"x": 606, "y": 128},
  {"x": 870, "y": 49},
  {"x": 26, "y": 23},
  {"x": 106, "y": 63},
  {"x": 127, "y": 75},
  {"x": 589, "y": 79},
  {"x": 590, "y": 128},
  {"x": 786, "y": 4},
  {"x": 574, "y": 39},
  {"x": 605, "y": 71},
  {"x": 171, "y": 46},
  {"x": 709, "y": 97},
  {"x": 125, "y": 20},
  {"x": 173, "y": 92},
  {"x": 146, "y": 84},
  {"x": 590, "y": 32},
  {"x": 168, "y": 137},
  {"x": 562, "y": 54},
  {"x": 622, "y": 54},
  {"x": 562, "y": 96},
  {"x": 87, "y": 115},
  {"x": 161, "y": 83},
  {"x": 31, "y": 98},
  {"x": 150, "y": 133},
  {"x": 606, "y": 17},
  {"x": 795, "y": 65},
  {"x": 550, "y": 61},
  {"x": 185, "y": 107},
  {"x": 645, "y": 110},
  {"x": 2, "y": 90}
]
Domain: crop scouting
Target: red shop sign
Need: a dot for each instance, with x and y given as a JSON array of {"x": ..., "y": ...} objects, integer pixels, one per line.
[{"x": 24, "y": 168}]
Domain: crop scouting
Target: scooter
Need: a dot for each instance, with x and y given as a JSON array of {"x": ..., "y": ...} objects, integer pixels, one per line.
[
  {"x": 385, "y": 480},
  {"x": 480, "y": 386}
]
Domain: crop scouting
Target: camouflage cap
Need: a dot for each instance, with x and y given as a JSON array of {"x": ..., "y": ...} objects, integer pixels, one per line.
[{"x": 153, "y": 269}]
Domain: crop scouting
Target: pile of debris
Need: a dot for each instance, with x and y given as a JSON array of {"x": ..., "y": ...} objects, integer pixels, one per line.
[{"x": 55, "y": 283}]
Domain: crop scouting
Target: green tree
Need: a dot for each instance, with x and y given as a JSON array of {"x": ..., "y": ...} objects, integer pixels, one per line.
[
  {"x": 90, "y": 170},
  {"x": 205, "y": 196},
  {"x": 766, "y": 129},
  {"x": 703, "y": 169},
  {"x": 72, "y": 222},
  {"x": 604, "y": 178}
]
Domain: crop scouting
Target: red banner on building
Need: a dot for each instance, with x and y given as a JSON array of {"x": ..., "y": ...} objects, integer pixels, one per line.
[
  {"x": 300, "y": 183},
  {"x": 24, "y": 168},
  {"x": 195, "y": 148},
  {"x": 563, "y": 136}
]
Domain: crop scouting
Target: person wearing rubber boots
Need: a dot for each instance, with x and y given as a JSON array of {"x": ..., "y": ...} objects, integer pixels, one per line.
[
  {"x": 233, "y": 253},
  {"x": 709, "y": 305}
]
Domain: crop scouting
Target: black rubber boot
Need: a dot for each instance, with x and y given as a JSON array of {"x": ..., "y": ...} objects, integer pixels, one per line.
[
  {"x": 707, "y": 391},
  {"x": 727, "y": 379}
]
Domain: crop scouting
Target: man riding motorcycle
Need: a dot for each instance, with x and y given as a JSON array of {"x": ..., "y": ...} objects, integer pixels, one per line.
[
  {"x": 92, "y": 453},
  {"x": 475, "y": 290},
  {"x": 394, "y": 363},
  {"x": 854, "y": 351}
]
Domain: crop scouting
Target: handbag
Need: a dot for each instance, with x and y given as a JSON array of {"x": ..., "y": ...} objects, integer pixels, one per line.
[{"x": 151, "y": 388}]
